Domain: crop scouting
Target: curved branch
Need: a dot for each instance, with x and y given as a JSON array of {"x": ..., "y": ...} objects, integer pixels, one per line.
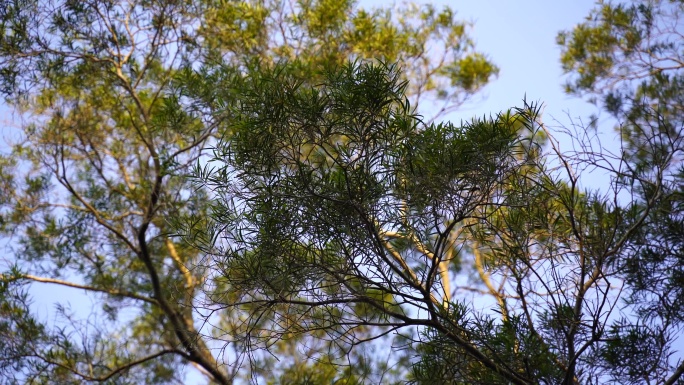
[{"x": 114, "y": 292}]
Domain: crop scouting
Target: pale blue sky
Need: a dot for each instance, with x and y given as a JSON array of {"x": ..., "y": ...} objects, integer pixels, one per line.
[{"x": 520, "y": 37}]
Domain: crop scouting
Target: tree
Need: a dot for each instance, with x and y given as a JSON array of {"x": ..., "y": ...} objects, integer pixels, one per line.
[
  {"x": 118, "y": 100},
  {"x": 337, "y": 208},
  {"x": 628, "y": 58}
]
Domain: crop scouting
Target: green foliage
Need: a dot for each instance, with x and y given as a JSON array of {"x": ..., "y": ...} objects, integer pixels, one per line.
[
  {"x": 635, "y": 352},
  {"x": 120, "y": 99},
  {"x": 443, "y": 161},
  {"x": 628, "y": 56},
  {"x": 338, "y": 205},
  {"x": 432, "y": 45},
  {"x": 330, "y": 234},
  {"x": 344, "y": 210},
  {"x": 512, "y": 341},
  {"x": 606, "y": 56}
]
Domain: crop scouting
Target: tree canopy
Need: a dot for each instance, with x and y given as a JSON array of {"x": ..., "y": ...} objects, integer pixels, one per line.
[
  {"x": 119, "y": 99},
  {"x": 628, "y": 58},
  {"x": 247, "y": 188}
]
